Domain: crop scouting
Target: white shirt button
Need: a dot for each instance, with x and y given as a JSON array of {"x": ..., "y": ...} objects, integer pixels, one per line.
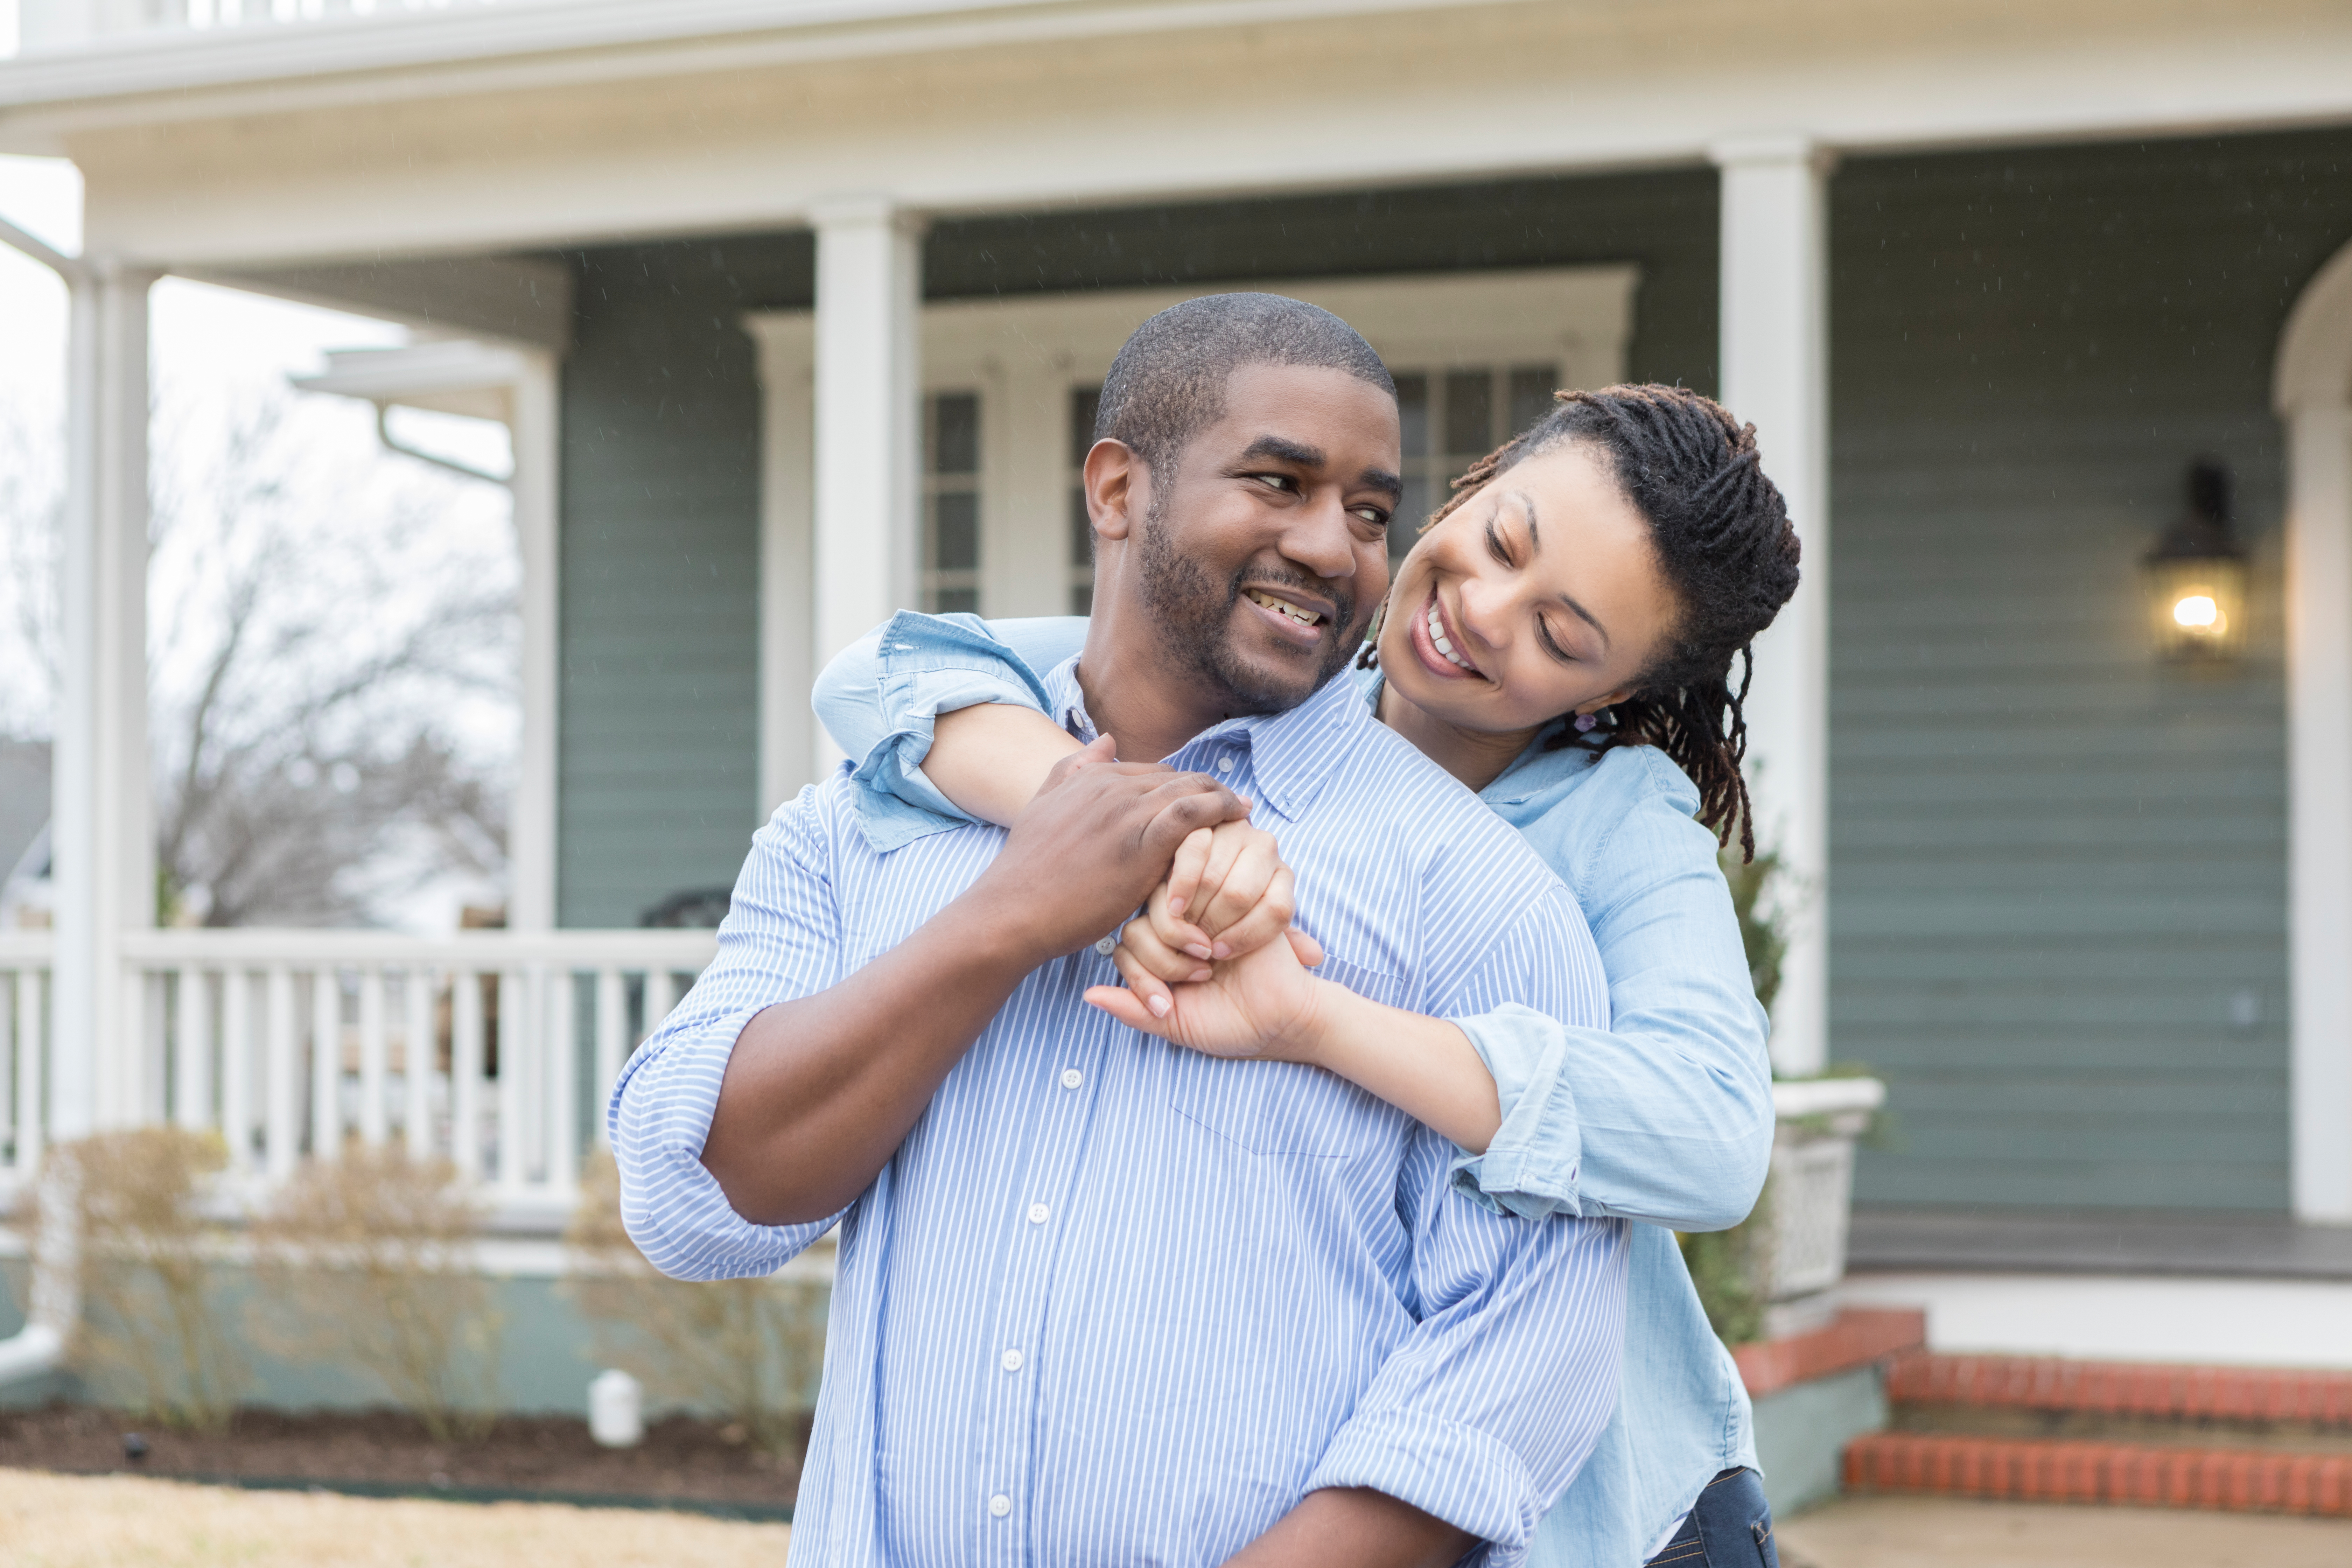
[
  {"x": 1000, "y": 1505},
  {"x": 1224, "y": 764},
  {"x": 1037, "y": 1214},
  {"x": 1072, "y": 1078},
  {"x": 1106, "y": 945},
  {"x": 1011, "y": 1360}
]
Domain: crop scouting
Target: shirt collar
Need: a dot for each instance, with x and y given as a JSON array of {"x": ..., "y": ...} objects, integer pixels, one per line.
[{"x": 1291, "y": 753}]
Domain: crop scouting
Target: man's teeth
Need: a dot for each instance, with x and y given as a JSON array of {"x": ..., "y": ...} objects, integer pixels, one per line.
[
  {"x": 1437, "y": 635},
  {"x": 1283, "y": 607}
]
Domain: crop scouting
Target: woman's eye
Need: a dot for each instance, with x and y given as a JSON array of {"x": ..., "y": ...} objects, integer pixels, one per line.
[
  {"x": 1551, "y": 645},
  {"x": 1495, "y": 545}
]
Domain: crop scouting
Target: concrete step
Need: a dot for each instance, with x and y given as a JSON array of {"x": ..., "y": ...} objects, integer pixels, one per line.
[{"x": 2168, "y": 1475}]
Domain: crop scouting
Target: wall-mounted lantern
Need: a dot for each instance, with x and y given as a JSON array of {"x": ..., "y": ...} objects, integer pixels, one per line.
[{"x": 2197, "y": 575}]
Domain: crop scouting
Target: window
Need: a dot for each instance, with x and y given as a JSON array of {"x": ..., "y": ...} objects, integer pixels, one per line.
[
  {"x": 952, "y": 502},
  {"x": 1449, "y": 423},
  {"x": 1085, "y": 402}
]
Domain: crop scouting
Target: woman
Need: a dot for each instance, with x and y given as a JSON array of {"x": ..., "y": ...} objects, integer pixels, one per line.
[{"x": 1561, "y": 639}]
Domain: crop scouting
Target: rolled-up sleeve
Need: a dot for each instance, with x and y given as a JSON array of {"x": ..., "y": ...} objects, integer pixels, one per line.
[
  {"x": 1530, "y": 1166},
  {"x": 780, "y": 941},
  {"x": 1492, "y": 1403},
  {"x": 880, "y": 700}
]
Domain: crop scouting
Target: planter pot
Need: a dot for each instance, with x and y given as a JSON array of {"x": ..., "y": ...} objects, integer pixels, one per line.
[{"x": 1809, "y": 1202}]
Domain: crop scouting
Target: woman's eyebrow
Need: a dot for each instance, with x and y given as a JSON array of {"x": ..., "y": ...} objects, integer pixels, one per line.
[{"x": 1535, "y": 546}]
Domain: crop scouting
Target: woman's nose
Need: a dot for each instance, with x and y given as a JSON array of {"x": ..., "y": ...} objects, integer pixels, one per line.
[{"x": 1484, "y": 609}]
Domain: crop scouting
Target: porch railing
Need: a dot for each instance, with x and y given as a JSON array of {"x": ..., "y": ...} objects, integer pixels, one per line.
[{"x": 494, "y": 1049}]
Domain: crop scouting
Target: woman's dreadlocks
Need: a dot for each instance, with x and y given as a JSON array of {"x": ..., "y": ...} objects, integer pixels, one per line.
[{"x": 1723, "y": 537}]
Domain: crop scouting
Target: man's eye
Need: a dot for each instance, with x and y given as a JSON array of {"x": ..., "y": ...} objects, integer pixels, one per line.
[
  {"x": 1373, "y": 515},
  {"x": 1282, "y": 482}
]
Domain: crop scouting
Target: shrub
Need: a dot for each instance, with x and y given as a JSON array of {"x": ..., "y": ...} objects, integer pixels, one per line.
[
  {"x": 369, "y": 1262},
  {"x": 749, "y": 1347},
  {"x": 148, "y": 1333}
]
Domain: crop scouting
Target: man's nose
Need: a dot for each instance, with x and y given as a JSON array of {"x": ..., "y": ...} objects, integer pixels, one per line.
[{"x": 1320, "y": 539}]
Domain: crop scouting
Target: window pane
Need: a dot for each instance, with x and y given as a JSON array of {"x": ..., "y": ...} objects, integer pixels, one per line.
[
  {"x": 950, "y": 600},
  {"x": 1082, "y": 599},
  {"x": 955, "y": 531},
  {"x": 1412, "y": 414},
  {"x": 955, "y": 433},
  {"x": 1469, "y": 413},
  {"x": 1085, "y": 402},
  {"x": 1082, "y": 530},
  {"x": 1413, "y": 510},
  {"x": 1531, "y": 390}
]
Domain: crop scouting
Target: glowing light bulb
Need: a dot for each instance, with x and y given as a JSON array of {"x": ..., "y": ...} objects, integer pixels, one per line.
[{"x": 2196, "y": 612}]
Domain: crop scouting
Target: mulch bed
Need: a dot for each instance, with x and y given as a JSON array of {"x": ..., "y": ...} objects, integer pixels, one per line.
[{"x": 705, "y": 1465}]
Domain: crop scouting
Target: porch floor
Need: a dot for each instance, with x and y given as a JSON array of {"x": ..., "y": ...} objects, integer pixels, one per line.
[
  {"x": 1914, "y": 1240},
  {"x": 1939, "y": 1532}
]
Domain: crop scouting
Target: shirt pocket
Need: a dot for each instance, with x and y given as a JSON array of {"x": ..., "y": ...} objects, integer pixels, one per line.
[{"x": 1286, "y": 1109}]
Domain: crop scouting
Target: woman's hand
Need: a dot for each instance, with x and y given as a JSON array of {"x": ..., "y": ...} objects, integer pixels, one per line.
[
  {"x": 1232, "y": 884},
  {"x": 1263, "y": 1003}
]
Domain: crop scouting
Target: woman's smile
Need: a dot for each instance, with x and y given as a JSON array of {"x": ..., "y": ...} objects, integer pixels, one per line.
[{"x": 1437, "y": 641}]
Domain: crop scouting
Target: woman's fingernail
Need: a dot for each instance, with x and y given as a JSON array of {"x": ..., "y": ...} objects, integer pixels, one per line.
[
  {"x": 1200, "y": 975},
  {"x": 1159, "y": 1005},
  {"x": 1200, "y": 952},
  {"x": 1175, "y": 905},
  {"x": 1220, "y": 950}
]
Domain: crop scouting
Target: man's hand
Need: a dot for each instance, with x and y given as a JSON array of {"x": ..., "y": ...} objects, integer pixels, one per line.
[
  {"x": 1355, "y": 1528},
  {"x": 1097, "y": 837},
  {"x": 820, "y": 1092}
]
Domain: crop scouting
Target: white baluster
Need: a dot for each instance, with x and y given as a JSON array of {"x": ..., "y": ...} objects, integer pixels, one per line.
[
  {"x": 326, "y": 1064},
  {"x": 120, "y": 1100},
  {"x": 282, "y": 1131},
  {"x": 562, "y": 1060},
  {"x": 30, "y": 1097},
  {"x": 465, "y": 1070},
  {"x": 155, "y": 1093},
  {"x": 192, "y": 1085},
  {"x": 416, "y": 1054},
  {"x": 237, "y": 1066},
  {"x": 517, "y": 1039},
  {"x": 661, "y": 996},
  {"x": 612, "y": 1040},
  {"x": 375, "y": 1120}
]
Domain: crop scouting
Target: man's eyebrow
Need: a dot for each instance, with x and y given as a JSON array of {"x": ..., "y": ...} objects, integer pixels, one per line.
[
  {"x": 1381, "y": 479},
  {"x": 1535, "y": 547},
  {"x": 1283, "y": 450}
]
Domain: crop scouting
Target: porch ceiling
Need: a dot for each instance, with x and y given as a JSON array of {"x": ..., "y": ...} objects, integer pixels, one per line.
[{"x": 498, "y": 128}]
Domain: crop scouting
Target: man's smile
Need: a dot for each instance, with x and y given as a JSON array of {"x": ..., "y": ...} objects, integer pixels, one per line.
[{"x": 1294, "y": 616}]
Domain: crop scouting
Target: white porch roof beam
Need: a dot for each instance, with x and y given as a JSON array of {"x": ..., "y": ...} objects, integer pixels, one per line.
[{"x": 1028, "y": 106}]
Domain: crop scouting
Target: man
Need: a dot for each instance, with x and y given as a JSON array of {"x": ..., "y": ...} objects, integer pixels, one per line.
[{"x": 1100, "y": 1300}]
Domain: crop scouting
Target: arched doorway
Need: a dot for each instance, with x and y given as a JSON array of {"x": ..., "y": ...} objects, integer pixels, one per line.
[{"x": 2312, "y": 392}]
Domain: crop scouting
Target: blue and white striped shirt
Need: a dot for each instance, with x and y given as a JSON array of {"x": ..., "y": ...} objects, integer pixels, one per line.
[{"x": 1113, "y": 1300}]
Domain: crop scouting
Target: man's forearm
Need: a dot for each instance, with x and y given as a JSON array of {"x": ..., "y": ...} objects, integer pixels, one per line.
[
  {"x": 820, "y": 1091},
  {"x": 1354, "y": 1527}
]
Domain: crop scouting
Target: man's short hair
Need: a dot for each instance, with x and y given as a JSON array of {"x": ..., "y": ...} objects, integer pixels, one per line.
[{"x": 1168, "y": 384}]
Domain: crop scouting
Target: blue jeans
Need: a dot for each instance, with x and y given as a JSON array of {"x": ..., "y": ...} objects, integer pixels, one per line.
[{"x": 1730, "y": 1526}]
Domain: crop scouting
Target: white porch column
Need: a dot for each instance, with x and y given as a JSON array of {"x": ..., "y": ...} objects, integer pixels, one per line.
[
  {"x": 1776, "y": 374},
  {"x": 788, "y": 733},
  {"x": 869, "y": 387},
  {"x": 2319, "y": 792},
  {"x": 533, "y": 424},
  {"x": 103, "y": 829}
]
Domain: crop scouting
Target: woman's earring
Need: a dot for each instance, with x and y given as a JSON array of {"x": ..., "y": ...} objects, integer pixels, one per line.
[{"x": 1585, "y": 721}]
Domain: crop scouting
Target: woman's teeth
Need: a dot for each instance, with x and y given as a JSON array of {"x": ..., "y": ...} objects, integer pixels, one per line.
[
  {"x": 1284, "y": 607},
  {"x": 1437, "y": 635}
]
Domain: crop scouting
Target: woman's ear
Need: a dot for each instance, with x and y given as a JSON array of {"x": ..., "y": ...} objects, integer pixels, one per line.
[
  {"x": 1614, "y": 698},
  {"x": 1119, "y": 487}
]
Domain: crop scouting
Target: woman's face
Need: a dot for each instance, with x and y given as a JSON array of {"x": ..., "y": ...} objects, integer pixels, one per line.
[{"x": 1540, "y": 593}]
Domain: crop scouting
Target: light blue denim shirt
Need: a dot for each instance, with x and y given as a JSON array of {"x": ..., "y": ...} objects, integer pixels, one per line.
[{"x": 1665, "y": 1117}]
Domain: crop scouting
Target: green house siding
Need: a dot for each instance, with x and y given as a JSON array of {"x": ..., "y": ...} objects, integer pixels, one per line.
[
  {"x": 659, "y": 725},
  {"x": 2059, "y": 867}
]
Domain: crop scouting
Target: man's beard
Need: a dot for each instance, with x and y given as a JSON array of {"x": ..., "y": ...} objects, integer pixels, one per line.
[{"x": 1195, "y": 621}]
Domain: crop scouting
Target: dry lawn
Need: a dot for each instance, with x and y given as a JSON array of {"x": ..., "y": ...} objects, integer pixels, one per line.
[
  {"x": 1952, "y": 1532},
  {"x": 120, "y": 1522}
]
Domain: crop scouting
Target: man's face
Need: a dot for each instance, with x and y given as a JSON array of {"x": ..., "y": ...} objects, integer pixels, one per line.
[{"x": 1260, "y": 559}]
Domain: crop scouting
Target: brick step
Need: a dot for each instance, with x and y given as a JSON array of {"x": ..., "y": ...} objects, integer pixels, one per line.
[
  {"x": 2025, "y": 1469},
  {"x": 2157, "y": 1390}
]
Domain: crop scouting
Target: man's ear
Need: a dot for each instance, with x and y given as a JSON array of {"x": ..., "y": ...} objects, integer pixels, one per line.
[{"x": 1119, "y": 487}]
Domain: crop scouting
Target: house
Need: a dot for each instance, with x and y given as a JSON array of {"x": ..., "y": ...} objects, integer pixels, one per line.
[{"x": 796, "y": 311}]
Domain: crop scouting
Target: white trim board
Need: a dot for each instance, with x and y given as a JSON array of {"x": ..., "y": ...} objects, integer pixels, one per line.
[{"x": 2203, "y": 1321}]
